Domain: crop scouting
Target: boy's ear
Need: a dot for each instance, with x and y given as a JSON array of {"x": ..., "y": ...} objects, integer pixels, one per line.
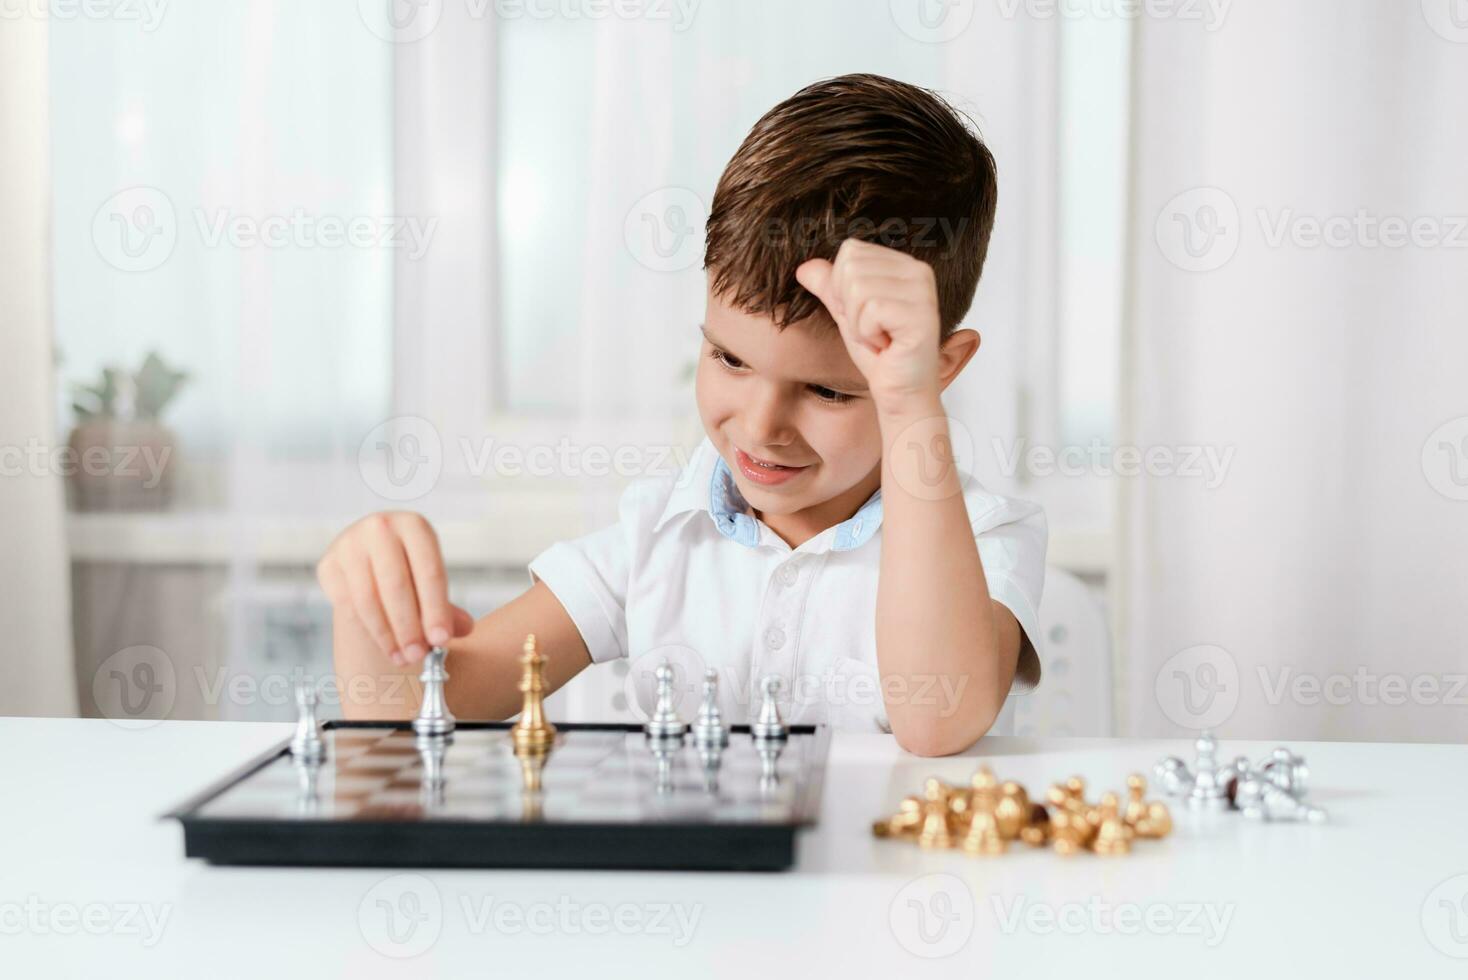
[{"x": 954, "y": 354}]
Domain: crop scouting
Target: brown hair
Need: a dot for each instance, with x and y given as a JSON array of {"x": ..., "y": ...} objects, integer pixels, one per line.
[{"x": 858, "y": 156}]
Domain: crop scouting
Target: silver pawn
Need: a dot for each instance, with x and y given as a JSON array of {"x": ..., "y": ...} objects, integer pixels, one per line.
[
  {"x": 665, "y": 723},
  {"x": 306, "y": 744},
  {"x": 662, "y": 750},
  {"x": 1261, "y": 799},
  {"x": 308, "y": 796},
  {"x": 431, "y": 751},
  {"x": 709, "y": 727},
  {"x": 434, "y": 717},
  {"x": 769, "y": 756},
  {"x": 1173, "y": 776},
  {"x": 769, "y": 725},
  {"x": 1287, "y": 771},
  {"x": 709, "y": 754},
  {"x": 1210, "y": 789}
]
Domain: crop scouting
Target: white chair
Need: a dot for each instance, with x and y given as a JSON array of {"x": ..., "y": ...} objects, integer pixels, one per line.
[{"x": 1074, "y": 696}]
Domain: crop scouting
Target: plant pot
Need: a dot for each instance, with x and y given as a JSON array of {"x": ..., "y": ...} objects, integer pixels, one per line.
[{"x": 121, "y": 465}]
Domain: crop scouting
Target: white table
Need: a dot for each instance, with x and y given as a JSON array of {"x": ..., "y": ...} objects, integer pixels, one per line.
[{"x": 93, "y": 884}]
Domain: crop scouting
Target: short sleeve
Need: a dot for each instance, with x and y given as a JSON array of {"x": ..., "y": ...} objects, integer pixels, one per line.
[
  {"x": 1012, "y": 536},
  {"x": 590, "y": 575}
]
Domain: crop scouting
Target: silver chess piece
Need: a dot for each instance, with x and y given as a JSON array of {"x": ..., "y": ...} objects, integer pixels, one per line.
[
  {"x": 307, "y": 744},
  {"x": 769, "y": 750},
  {"x": 434, "y": 717},
  {"x": 1275, "y": 791},
  {"x": 708, "y": 727},
  {"x": 709, "y": 754},
  {"x": 431, "y": 751},
  {"x": 1173, "y": 777},
  {"x": 665, "y": 723},
  {"x": 1261, "y": 799},
  {"x": 1210, "y": 786},
  {"x": 663, "y": 748},
  {"x": 308, "y": 796},
  {"x": 769, "y": 725},
  {"x": 1287, "y": 771}
]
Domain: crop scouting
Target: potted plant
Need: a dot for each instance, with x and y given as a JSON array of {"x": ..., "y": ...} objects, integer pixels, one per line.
[{"x": 122, "y": 455}]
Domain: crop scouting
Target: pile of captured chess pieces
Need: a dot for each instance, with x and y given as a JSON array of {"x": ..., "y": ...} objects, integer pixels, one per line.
[
  {"x": 533, "y": 736},
  {"x": 985, "y": 817},
  {"x": 1274, "y": 790}
]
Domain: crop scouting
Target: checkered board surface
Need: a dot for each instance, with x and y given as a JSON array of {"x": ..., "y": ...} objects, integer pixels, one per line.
[{"x": 599, "y": 783}]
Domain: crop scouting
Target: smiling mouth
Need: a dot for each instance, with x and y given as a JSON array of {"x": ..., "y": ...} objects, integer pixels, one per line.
[{"x": 763, "y": 471}]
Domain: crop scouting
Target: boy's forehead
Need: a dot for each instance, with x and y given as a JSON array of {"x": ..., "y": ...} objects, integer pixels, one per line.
[{"x": 810, "y": 349}]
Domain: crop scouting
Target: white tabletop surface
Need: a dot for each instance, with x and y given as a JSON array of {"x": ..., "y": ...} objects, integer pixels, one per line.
[{"x": 93, "y": 884}]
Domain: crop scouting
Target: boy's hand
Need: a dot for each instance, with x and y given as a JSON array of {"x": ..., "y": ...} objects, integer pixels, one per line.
[
  {"x": 885, "y": 303},
  {"x": 387, "y": 573}
]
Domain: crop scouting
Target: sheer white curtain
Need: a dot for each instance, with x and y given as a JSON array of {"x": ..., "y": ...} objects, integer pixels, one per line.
[
  {"x": 1299, "y": 301},
  {"x": 35, "y": 615}
]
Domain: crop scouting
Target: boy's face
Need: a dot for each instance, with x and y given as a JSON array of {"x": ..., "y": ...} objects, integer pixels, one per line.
[{"x": 791, "y": 397}]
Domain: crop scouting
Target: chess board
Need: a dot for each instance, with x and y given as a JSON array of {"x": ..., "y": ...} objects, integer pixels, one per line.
[{"x": 603, "y": 802}]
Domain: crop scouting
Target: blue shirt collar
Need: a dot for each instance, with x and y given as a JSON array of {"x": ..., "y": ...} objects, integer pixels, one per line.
[{"x": 730, "y": 512}]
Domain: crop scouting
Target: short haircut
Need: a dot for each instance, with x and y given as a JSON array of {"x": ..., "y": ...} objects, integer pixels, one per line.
[{"x": 858, "y": 156}]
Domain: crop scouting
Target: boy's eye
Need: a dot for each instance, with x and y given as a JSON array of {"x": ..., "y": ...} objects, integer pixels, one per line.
[
  {"x": 726, "y": 359},
  {"x": 829, "y": 395}
]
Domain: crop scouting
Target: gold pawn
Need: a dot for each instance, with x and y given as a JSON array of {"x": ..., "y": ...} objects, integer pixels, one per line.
[
  {"x": 1012, "y": 812},
  {"x": 937, "y": 831},
  {"x": 1113, "y": 836}
]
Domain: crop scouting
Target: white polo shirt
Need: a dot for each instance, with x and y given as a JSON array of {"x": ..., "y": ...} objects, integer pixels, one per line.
[{"x": 690, "y": 575}]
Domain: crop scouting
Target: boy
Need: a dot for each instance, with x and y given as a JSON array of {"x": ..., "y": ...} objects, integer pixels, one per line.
[{"x": 821, "y": 532}]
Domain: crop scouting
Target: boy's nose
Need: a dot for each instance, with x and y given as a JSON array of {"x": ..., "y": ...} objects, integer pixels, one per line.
[{"x": 766, "y": 421}]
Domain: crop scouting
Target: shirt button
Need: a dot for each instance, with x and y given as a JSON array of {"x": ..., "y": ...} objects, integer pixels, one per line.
[
  {"x": 788, "y": 574},
  {"x": 774, "y": 637}
]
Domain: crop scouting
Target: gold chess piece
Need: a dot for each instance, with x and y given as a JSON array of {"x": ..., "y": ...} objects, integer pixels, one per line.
[
  {"x": 1113, "y": 836},
  {"x": 532, "y": 732},
  {"x": 937, "y": 827},
  {"x": 1136, "y": 806},
  {"x": 1012, "y": 812},
  {"x": 904, "y": 823},
  {"x": 983, "y": 837}
]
